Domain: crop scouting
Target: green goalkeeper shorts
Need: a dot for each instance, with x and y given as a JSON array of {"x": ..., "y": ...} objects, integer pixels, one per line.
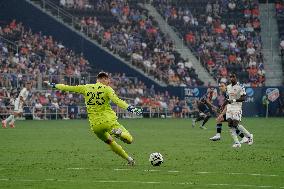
[{"x": 103, "y": 130}]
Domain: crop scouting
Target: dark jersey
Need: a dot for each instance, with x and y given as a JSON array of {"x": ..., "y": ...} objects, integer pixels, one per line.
[{"x": 202, "y": 103}]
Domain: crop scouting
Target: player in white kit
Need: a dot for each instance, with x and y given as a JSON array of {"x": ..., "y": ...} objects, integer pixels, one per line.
[
  {"x": 18, "y": 106},
  {"x": 236, "y": 96}
]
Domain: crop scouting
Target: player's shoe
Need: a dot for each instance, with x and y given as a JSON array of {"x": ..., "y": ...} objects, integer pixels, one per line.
[
  {"x": 215, "y": 138},
  {"x": 250, "y": 139},
  {"x": 193, "y": 123},
  {"x": 4, "y": 124},
  {"x": 236, "y": 145},
  {"x": 12, "y": 124},
  {"x": 202, "y": 127},
  {"x": 131, "y": 162},
  {"x": 244, "y": 140}
]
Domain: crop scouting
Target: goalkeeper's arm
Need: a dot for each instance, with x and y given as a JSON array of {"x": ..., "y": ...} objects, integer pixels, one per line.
[
  {"x": 122, "y": 104},
  {"x": 77, "y": 89}
]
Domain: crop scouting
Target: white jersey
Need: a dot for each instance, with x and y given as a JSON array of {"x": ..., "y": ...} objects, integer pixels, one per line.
[
  {"x": 234, "y": 93},
  {"x": 18, "y": 105},
  {"x": 24, "y": 93}
]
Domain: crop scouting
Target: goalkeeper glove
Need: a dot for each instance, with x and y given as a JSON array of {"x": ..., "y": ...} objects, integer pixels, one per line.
[
  {"x": 52, "y": 85},
  {"x": 136, "y": 111}
]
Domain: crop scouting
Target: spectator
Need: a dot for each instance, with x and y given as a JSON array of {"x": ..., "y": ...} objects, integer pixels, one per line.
[
  {"x": 282, "y": 48},
  {"x": 228, "y": 35}
]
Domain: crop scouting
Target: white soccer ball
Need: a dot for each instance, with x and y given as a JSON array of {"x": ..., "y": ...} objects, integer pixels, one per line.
[{"x": 156, "y": 159}]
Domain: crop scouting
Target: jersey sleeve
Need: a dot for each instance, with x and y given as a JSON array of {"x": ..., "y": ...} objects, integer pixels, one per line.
[
  {"x": 114, "y": 98},
  {"x": 77, "y": 89}
]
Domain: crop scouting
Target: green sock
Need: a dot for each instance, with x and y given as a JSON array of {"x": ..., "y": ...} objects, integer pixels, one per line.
[
  {"x": 118, "y": 150},
  {"x": 126, "y": 137}
]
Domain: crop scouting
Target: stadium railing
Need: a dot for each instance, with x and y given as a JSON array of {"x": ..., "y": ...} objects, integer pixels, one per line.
[
  {"x": 59, "y": 12},
  {"x": 80, "y": 112},
  {"x": 10, "y": 44},
  {"x": 16, "y": 48}
]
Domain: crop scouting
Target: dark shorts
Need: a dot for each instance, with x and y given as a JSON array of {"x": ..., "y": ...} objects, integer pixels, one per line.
[{"x": 203, "y": 108}]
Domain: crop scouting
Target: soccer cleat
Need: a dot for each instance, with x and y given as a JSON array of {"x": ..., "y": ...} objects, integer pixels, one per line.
[
  {"x": 250, "y": 139},
  {"x": 12, "y": 125},
  {"x": 215, "y": 138},
  {"x": 236, "y": 145},
  {"x": 4, "y": 124},
  {"x": 202, "y": 127},
  {"x": 244, "y": 140},
  {"x": 131, "y": 162},
  {"x": 193, "y": 123}
]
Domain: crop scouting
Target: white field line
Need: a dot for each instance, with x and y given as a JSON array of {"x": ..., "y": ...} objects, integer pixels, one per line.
[
  {"x": 176, "y": 171},
  {"x": 250, "y": 174},
  {"x": 173, "y": 171},
  {"x": 240, "y": 185},
  {"x": 77, "y": 168},
  {"x": 152, "y": 170},
  {"x": 137, "y": 182},
  {"x": 121, "y": 169}
]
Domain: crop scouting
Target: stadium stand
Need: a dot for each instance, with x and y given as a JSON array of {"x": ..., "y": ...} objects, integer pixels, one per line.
[
  {"x": 279, "y": 8},
  {"x": 225, "y": 35},
  {"x": 39, "y": 57},
  {"x": 127, "y": 30}
]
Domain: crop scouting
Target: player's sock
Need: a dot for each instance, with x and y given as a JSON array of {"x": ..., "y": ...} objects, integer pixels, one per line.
[
  {"x": 244, "y": 131},
  {"x": 205, "y": 120},
  {"x": 234, "y": 135},
  {"x": 240, "y": 133},
  {"x": 199, "y": 118},
  {"x": 10, "y": 118},
  {"x": 219, "y": 128},
  {"x": 118, "y": 150}
]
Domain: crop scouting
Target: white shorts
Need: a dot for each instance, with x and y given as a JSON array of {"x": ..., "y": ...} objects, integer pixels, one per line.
[
  {"x": 18, "y": 106},
  {"x": 234, "y": 115}
]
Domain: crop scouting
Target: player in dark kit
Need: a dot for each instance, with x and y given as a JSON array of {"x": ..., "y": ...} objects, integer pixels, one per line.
[
  {"x": 222, "y": 118},
  {"x": 205, "y": 108}
]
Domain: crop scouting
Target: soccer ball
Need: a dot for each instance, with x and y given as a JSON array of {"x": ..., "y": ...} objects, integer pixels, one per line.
[{"x": 156, "y": 159}]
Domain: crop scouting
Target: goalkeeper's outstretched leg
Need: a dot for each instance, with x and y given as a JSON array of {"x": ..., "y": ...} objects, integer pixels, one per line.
[{"x": 116, "y": 148}]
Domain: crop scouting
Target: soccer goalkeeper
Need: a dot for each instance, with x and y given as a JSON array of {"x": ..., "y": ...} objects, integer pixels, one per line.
[{"x": 102, "y": 118}]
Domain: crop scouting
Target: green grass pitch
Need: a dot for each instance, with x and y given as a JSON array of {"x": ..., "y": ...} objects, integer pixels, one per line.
[{"x": 65, "y": 154}]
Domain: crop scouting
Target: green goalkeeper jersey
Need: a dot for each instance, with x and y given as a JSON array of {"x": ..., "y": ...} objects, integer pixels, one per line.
[{"x": 97, "y": 99}]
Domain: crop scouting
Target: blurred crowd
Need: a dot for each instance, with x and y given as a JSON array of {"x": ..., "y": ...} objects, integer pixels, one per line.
[
  {"x": 127, "y": 30},
  {"x": 224, "y": 34},
  {"x": 75, "y": 4},
  {"x": 53, "y": 104},
  {"x": 35, "y": 57},
  {"x": 279, "y": 9}
]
